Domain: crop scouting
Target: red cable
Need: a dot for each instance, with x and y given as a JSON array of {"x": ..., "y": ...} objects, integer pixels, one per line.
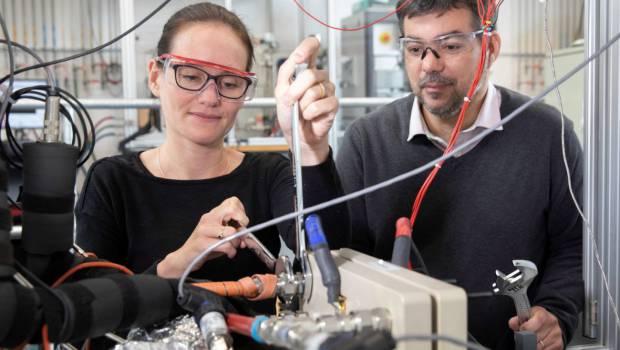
[
  {"x": 240, "y": 324},
  {"x": 45, "y": 339},
  {"x": 480, "y": 6},
  {"x": 301, "y": 7},
  {"x": 455, "y": 133},
  {"x": 486, "y": 21}
]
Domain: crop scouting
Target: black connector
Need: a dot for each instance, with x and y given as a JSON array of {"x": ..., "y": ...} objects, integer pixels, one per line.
[{"x": 402, "y": 244}]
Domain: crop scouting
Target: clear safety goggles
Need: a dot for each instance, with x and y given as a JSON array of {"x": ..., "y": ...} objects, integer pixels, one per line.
[
  {"x": 444, "y": 46},
  {"x": 190, "y": 75}
]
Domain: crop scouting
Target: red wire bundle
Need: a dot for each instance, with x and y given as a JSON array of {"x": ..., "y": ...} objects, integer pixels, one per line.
[{"x": 486, "y": 22}]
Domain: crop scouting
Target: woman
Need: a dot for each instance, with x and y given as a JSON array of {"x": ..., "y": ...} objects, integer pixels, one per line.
[{"x": 157, "y": 210}]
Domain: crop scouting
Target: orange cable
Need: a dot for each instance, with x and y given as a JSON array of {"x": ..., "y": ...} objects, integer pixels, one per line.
[
  {"x": 245, "y": 287},
  {"x": 69, "y": 273},
  {"x": 102, "y": 264}
]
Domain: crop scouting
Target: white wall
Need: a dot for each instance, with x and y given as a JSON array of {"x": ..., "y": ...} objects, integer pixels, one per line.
[{"x": 522, "y": 59}]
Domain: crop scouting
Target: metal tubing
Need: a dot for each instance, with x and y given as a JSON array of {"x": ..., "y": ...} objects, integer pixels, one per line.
[
  {"x": 592, "y": 284},
  {"x": 333, "y": 73},
  {"x": 299, "y": 192},
  {"x": 261, "y": 102}
]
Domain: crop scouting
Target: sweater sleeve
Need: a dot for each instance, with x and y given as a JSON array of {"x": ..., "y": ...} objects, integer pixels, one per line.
[
  {"x": 561, "y": 289},
  {"x": 98, "y": 230},
  {"x": 351, "y": 169},
  {"x": 321, "y": 183}
]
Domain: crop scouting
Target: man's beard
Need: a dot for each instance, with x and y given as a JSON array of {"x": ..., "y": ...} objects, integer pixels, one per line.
[{"x": 455, "y": 100}]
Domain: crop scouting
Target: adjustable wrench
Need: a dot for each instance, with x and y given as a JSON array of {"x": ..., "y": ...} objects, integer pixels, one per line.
[{"x": 515, "y": 286}]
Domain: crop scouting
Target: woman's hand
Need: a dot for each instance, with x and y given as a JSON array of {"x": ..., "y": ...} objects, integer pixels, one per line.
[
  {"x": 317, "y": 102},
  {"x": 212, "y": 227}
]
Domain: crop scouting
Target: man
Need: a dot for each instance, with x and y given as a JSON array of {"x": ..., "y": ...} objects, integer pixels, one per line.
[{"x": 504, "y": 198}]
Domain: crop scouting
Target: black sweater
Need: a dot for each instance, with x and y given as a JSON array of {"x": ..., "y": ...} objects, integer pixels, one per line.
[
  {"x": 505, "y": 199},
  {"x": 128, "y": 216}
]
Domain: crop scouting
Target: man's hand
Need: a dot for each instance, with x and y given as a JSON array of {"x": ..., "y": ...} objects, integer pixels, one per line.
[
  {"x": 317, "y": 102},
  {"x": 545, "y": 325}
]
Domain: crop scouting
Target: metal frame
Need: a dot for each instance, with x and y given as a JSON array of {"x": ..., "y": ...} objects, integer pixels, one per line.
[
  {"x": 602, "y": 165},
  {"x": 128, "y": 54},
  {"x": 259, "y": 102}
]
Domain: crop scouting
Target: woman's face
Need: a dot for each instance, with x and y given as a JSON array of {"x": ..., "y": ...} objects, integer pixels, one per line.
[{"x": 200, "y": 117}]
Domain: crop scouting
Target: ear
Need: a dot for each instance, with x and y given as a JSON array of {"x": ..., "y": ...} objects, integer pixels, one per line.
[
  {"x": 155, "y": 77},
  {"x": 495, "y": 44}
]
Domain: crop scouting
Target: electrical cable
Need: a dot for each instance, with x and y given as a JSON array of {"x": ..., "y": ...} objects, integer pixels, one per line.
[
  {"x": 14, "y": 203},
  {"x": 108, "y": 134},
  {"x": 73, "y": 270},
  {"x": 51, "y": 76},
  {"x": 6, "y": 94},
  {"x": 38, "y": 96},
  {"x": 568, "y": 172},
  {"x": 397, "y": 178},
  {"x": 12, "y": 73},
  {"x": 89, "y": 51},
  {"x": 40, "y": 93},
  {"x": 109, "y": 127},
  {"x": 473, "y": 295},
  {"x": 32, "y": 277},
  {"x": 416, "y": 253},
  {"x": 487, "y": 23},
  {"x": 303, "y": 9},
  {"x": 88, "y": 265},
  {"x": 105, "y": 119},
  {"x": 83, "y": 137},
  {"x": 257, "y": 287},
  {"x": 472, "y": 338},
  {"x": 93, "y": 35},
  {"x": 438, "y": 337}
]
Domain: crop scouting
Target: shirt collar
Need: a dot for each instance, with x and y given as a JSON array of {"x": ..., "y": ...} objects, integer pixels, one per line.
[{"x": 489, "y": 115}]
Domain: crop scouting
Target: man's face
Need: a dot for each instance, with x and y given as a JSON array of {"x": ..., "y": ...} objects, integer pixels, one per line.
[{"x": 441, "y": 83}]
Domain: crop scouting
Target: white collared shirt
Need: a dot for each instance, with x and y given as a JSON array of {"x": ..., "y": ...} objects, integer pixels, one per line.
[{"x": 489, "y": 115}]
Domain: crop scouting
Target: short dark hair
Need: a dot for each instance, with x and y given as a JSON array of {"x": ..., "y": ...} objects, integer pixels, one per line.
[
  {"x": 205, "y": 12},
  {"x": 423, "y": 7}
]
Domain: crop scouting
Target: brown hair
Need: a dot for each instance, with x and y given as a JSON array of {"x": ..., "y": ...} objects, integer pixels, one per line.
[{"x": 204, "y": 12}]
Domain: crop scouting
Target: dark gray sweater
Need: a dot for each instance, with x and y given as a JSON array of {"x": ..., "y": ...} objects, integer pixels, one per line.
[{"x": 505, "y": 199}]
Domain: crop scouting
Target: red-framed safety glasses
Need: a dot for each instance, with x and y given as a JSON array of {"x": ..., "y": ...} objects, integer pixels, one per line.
[{"x": 190, "y": 75}]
